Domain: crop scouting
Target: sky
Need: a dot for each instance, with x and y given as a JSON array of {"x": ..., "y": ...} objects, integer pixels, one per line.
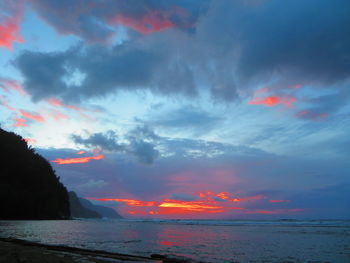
[{"x": 185, "y": 109}]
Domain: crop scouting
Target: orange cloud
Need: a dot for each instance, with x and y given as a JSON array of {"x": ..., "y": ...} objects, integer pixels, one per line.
[
  {"x": 81, "y": 152},
  {"x": 206, "y": 205},
  {"x": 78, "y": 160},
  {"x": 35, "y": 116},
  {"x": 129, "y": 202},
  {"x": 189, "y": 206},
  {"x": 228, "y": 197},
  {"x": 223, "y": 195},
  {"x": 271, "y": 101}
]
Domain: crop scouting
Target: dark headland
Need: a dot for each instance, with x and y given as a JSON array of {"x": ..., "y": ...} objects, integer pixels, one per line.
[{"x": 29, "y": 187}]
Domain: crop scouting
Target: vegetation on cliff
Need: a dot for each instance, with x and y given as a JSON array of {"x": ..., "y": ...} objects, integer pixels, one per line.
[{"x": 29, "y": 187}]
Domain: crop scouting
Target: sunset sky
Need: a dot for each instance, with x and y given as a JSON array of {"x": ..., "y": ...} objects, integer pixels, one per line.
[{"x": 185, "y": 108}]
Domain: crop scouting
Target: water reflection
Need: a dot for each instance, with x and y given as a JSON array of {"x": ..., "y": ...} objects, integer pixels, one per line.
[{"x": 209, "y": 243}]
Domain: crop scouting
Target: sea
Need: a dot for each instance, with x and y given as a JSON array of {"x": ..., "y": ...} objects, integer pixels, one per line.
[{"x": 214, "y": 241}]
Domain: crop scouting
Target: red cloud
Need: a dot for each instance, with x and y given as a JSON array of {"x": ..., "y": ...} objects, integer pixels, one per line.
[
  {"x": 5, "y": 104},
  {"x": 278, "y": 201},
  {"x": 58, "y": 115},
  {"x": 249, "y": 198},
  {"x": 55, "y": 102},
  {"x": 78, "y": 160},
  {"x": 306, "y": 114},
  {"x": 8, "y": 84},
  {"x": 153, "y": 21},
  {"x": 30, "y": 140},
  {"x": 32, "y": 116},
  {"x": 271, "y": 101},
  {"x": 276, "y": 211},
  {"x": 20, "y": 122},
  {"x": 58, "y": 103},
  {"x": 10, "y": 18}
]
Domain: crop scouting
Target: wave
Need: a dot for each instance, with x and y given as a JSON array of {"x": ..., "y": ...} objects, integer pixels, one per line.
[{"x": 279, "y": 222}]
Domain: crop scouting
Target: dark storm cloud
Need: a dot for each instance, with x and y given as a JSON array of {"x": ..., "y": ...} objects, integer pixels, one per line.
[
  {"x": 304, "y": 39},
  {"x": 140, "y": 142},
  {"x": 103, "y": 71},
  {"x": 94, "y": 20},
  {"x": 43, "y": 73},
  {"x": 106, "y": 141},
  {"x": 236, "y": 45}
]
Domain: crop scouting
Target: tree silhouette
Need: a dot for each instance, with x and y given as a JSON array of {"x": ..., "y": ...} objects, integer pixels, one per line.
[{"x": 29, "y": 187}]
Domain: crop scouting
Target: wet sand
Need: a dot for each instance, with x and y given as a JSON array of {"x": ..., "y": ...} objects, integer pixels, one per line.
[{"x": 21, "y": 251}]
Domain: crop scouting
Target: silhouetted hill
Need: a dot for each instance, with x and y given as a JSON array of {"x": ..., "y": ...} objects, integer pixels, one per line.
[
  {"x": 78, "y": 210},
  {"x": 102, "y": 210},
  {"x": 29, "y": 187}
]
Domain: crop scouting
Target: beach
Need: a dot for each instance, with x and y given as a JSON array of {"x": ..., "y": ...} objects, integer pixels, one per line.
[{"x": 21, "y": 251}]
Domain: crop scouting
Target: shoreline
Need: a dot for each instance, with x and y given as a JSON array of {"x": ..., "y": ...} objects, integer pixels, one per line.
[{"x": 14, "y": 250}]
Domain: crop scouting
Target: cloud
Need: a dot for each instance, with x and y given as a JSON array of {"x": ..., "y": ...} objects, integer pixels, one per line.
[
  {"x": 32, "y": 116},
  {"x": 93, "y": 184},
  {"x": 229, "y": 175},
  {"x": 9, "y": 84},
  {"x": 19, "y": 122},
  {"x": 10, "y": 19},
  {"x": 119, "y": 68},
  {"x": 104, "y": 141},
  {"x": 183, "y": 197},
  {"x": 95, "y": 21},
  {"x": 271, "y": 101},
  {"x": 186, "y": 117},
  {"x": 78, "y": 160},
  {"x": 139, "y": 142},
  {"x": 232, "y": 49}
]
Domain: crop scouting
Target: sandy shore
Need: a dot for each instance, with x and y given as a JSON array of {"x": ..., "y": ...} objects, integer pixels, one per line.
[{"x": 20, "y": 251}]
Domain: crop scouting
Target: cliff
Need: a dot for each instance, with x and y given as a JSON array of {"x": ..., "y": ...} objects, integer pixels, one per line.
[
  {"x": 29, "y": 187},
  {"x": 102, "y": 210},
  {"x": 78, "y": 210}
]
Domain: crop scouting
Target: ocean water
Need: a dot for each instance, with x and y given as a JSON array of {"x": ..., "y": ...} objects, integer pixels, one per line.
[{"x": 199, "y": 240}]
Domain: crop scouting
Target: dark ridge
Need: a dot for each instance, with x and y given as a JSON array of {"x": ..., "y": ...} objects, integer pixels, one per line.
[
  {"x": 29, "y": 187},
  {"x": 78, "y": 210},
  {"x": 104, "y": 211}
]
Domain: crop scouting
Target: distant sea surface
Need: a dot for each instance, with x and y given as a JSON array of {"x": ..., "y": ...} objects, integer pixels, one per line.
[{"x": 199, "y": 240}]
